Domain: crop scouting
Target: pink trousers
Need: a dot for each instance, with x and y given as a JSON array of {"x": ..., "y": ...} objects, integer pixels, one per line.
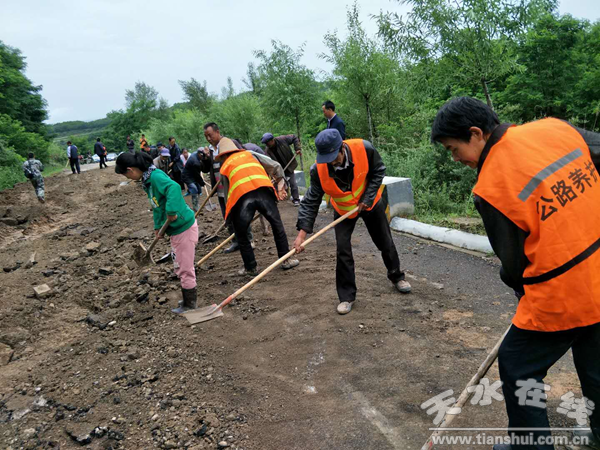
[{"x": 184, "y": 250}]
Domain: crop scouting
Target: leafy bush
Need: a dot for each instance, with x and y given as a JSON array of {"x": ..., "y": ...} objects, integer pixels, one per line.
[
  {"x": 185, "y": 125},
  {"x": 21, "y": 141}
]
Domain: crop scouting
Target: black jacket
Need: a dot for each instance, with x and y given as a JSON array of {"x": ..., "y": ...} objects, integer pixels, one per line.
[
  {"x": 506, "y": 238},
  {"x": 99, "y": 148},
  {"x": 176, "y": 158},
  {"x": 309, "y": 207},
  {"x": 338, "y": 124},
  {"x": 191, "y": 170},
  {"x": 282, "y": 153}
]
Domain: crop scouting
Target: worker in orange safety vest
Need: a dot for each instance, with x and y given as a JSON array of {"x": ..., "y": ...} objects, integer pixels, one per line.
[
  {"x": 538, "y": 192},
  {"x": 246, "y": 178},
  {"x": 351, "y": 172}
]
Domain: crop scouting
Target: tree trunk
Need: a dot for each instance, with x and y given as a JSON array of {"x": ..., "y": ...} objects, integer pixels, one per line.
[
  {"x": 370, "y": 119},
  {"x": 299, "y": 138},
  {"x": 487, "y": 93}
]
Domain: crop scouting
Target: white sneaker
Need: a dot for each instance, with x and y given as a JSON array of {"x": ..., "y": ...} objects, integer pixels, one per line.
[
  {"x": 344, "y": 307},
  {"x": 403, "y": 286},
  {"x": 289, "y": 264}
]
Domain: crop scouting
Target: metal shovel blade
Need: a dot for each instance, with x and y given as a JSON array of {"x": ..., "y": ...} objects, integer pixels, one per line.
[
  {"x": 203, "y": 314},
  {"x": 210, "y": 207},
  {"x": 141, "y": 256},
  {"x": 211, "y": 238},
  {"x": 165, "y": 258}
]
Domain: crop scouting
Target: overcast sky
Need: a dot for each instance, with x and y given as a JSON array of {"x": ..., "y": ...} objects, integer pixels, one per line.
[{"x": 86, "y": 53}]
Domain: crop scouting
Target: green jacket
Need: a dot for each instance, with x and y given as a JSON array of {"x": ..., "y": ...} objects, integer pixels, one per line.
[{"x": 166, "y": 199}]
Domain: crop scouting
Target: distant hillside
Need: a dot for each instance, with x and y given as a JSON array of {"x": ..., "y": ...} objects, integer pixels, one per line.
[{"x": 78, "y": 128}]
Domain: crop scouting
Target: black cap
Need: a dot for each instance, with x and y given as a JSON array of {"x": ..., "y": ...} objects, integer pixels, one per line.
[{"x": 328, "y": 143}]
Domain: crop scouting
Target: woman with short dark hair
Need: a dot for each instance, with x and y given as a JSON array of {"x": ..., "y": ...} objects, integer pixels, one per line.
[{"x": 167, "y": 204}]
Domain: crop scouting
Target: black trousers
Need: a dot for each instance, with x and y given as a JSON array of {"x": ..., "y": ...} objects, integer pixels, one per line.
[
  {"x": 230, "y": 227},
  {"x": 293, "y": 185},
  {"x": 102, "y": 161},
  {"x": 74, "y": 162},
  {"x": 261, "y": 200},
  {"x": 526, "y": 354},
  {"x": 177, "y": 178},
  {"x": 379, "y": 230}
]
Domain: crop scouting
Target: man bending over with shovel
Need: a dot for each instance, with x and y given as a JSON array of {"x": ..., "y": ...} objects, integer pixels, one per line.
[
  {"x": 167, "y": 204},
  {"x": 538, "y": 193},
  {"x": 246, "y": 179},
  {"x": 351, "y": 172}
]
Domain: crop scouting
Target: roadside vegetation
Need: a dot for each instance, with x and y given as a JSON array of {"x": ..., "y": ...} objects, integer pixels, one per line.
[{"x": 522, "y": 58}]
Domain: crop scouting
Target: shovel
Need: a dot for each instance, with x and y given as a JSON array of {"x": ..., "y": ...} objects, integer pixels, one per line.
[
  {"x": 208, "y": 196},
  {"x": 290, "y": 162},
  {"x": 211, "y": 206},
  {"x": 214, "y": 236},
  {"x": 143, "y": 257},
  {"x": 221, "y": 245},
  {"x": 212, "y": 312},
  {"x": 465, "y": 395}
]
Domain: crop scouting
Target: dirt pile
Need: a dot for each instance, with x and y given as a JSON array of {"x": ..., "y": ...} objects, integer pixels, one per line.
[{"x": 99, "y": 361}]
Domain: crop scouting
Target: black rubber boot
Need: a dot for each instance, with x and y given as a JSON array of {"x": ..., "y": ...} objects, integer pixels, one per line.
[{"x": 188, "y": 302}]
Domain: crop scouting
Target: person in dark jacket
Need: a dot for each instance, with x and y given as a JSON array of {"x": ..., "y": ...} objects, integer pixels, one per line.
[
  {"x": 538, "y": 196},
  {"x": 176, "y": 165},
  {"x": 100, "y": 150},
  {"x": 130, "y": 145},
  {"x": 254, "y": 148},
  {"x": 212, "y": 133},
  {"x": 192, "y": 177},
  {"x": 278, "y": 148},
  {"x": 333, "y": 120},
  {"x": 334, "y": 174},
  {"x": 73, "y": 155}
]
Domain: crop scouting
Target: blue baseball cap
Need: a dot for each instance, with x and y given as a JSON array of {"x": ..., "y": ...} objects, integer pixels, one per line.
[
  {"x": 267, "y": 137},
  {"x": 328, "y": 143}
]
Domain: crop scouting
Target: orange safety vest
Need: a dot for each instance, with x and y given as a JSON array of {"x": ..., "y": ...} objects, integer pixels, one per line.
[
  {"x": 245, "y": 174},
  {"x": 541, "y": 176},
  {"x": 346, "y": 201}
]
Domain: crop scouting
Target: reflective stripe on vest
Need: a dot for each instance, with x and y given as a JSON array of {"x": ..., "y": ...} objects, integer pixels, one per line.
[
  {"x": 245, "y": 174},
  {"x": 541, "y": 176},
  {"x": 343, "y": 201}
]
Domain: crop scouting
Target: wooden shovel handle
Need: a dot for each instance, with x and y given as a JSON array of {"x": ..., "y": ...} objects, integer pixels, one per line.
[
  {"x": 290, "y": 162},
  {"x": 221, "y": 245},
  {"x": 161, "y": 233},
  {"x": 212, "y": 192},
  {"x": 221, "y": 227},
  {"x": 280, "y": 261},
  {"x": 465, "y": 395}
]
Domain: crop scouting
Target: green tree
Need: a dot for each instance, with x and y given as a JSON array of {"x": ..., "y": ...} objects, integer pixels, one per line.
[
  {"x": 142, "y": 105},
  {"x": 586, "y": 100},
  {"x": 16, "y": 137},
  {"x": 228, "y": 91},
  {"x": 477, "y": 38},
  {"x": 363, "y": 72},
  {"x": 290, "y": 94},
  {"x": 186, "y": 125},
  {"x": 240, "y": 117},
  {"x": 196, "y": 94},
  {"x": 19, "y": 97},
  {"x": 253, "y": 80},
  {"x": 545, "y": 86}
]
